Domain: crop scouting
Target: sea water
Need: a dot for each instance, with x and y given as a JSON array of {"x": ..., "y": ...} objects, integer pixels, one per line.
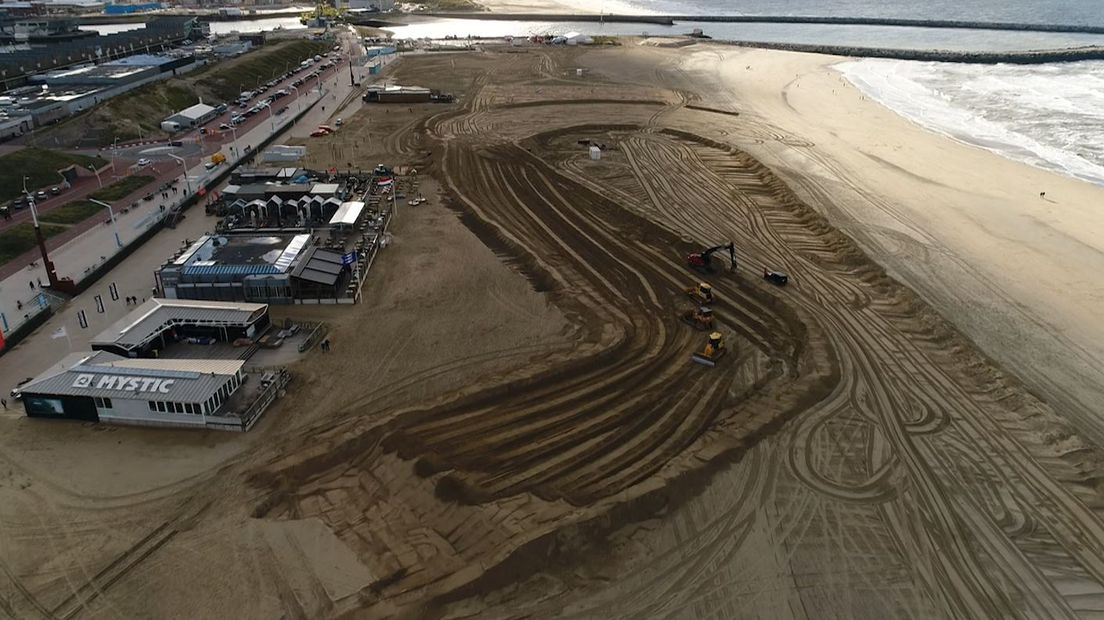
[{"x": 1050, "y": 116}]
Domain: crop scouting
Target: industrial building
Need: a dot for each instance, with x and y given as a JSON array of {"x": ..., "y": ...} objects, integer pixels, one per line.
[
  {"x": 119, "y": 382},
  {"x": 193, "y": 116},
  {"x": 73, "y": 90},
  {"x": 160, "y": 31},
  {"x": 42, "y": 30}
]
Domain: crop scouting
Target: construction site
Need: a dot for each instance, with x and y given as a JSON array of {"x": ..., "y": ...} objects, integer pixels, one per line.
[{"x": 651, "y": 380}]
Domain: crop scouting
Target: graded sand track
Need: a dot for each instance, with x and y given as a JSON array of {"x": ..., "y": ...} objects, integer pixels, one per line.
[
  {"x": 895, "y": 417},
  {"x": 471, "y": 451}
]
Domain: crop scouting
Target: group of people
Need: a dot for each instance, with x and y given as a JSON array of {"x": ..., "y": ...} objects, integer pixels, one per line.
[
  {"x": 133, "y": 301},
  {"x": 325, "y": 345}
]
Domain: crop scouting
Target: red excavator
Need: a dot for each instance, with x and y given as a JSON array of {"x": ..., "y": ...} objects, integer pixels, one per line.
[{"x": 703, "y": 261}]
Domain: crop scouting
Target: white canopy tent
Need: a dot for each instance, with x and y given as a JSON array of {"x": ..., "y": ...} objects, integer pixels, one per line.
[{"x": 347, "y": 214}]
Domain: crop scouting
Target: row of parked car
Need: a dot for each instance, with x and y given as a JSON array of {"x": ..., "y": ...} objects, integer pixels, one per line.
[{"x": 24, "y": 201}]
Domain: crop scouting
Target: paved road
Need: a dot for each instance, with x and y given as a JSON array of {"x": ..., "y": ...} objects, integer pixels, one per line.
[
  {"x": 134, "y": 276},
  {"x": 195, "y": 150}
]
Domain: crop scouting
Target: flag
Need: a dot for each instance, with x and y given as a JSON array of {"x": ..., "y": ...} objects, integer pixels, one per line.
[{"x": 59, "y": 333}]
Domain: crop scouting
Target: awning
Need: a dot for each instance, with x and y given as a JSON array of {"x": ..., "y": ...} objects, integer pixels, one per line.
[{"x": 347, "y": 213}]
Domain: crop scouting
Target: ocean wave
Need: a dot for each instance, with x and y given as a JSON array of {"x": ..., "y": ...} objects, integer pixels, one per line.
[{"x": 1050, "y": 116}]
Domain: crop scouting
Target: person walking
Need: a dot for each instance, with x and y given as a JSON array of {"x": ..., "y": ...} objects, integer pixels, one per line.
[{"x": 4, "y": 401}]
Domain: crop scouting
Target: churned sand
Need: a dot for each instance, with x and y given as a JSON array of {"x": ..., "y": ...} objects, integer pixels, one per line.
[{"x": 965, "y": 227}]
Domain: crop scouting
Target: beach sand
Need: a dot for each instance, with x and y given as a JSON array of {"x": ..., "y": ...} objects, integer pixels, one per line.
[
  {"x": 963, "y": 226},
  {"x": 510, "y": 424}
]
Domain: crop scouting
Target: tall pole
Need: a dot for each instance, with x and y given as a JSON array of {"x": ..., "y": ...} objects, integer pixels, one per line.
[
  {"x": 114, "y": 222},
  {"x": 51, "y": 273},
  {"x": 352, "y": 82},
  {"x": 234, "y": 131},
  {"x": 298, "y": 99},
  {"x": 187, "y": 181},
  {"x": 92, "y": 167}
]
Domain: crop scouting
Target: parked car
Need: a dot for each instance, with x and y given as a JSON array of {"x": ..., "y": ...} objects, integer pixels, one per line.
[
  {"x": 142, "y": 163},
  {"x": 148, "y": 197},
  {"x": 175, "y": 143},
  {"x": 224, "y": 127},
  {"x": 318, "y": 133},
  {"x": 339, "y": 122},
  {"x": 17, "y": 391},
  {"x": 40, "y": 195},
  {"x": 55, "y": 190}
]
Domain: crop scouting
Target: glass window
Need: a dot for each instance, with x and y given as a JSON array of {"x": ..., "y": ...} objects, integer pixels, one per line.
[
  {"x": 177, "y": 408},
  {"x": 152, "y": 405},
  {"x": 161, "y": 406},
  {"x": 107, "y": 403}
]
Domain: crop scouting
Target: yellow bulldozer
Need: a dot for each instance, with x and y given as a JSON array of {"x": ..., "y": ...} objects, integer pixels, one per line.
[
  {"x": 713, "y": 351},
  {"x": 698, "y": 317},
  {"x": 702, "y": 293}
]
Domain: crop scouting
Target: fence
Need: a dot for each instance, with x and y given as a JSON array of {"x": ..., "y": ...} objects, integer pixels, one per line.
[
  {"x": 316, "y": 334},
  {"x": 25, "y": 316},
  {"x": 278, "y": 380}
]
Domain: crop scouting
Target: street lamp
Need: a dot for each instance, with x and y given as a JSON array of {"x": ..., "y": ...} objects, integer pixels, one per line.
[
  {"x": 111, "y": 214},
  {"x": 187, "y": 182},
  {"x": 297, "y": 99},
  {"x": 234, "y": 131},
  {"x": 271, "y": 121},
  {"x": 92, "y": 167}
]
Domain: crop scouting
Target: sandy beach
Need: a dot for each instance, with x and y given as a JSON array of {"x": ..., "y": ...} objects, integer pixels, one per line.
[
  {"x": 510, "y": 424},
  {"x": 965, "y": 227}
]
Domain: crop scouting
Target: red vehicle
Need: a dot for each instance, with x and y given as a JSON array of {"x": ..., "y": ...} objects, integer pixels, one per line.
[{"x": 703, "y": 261}]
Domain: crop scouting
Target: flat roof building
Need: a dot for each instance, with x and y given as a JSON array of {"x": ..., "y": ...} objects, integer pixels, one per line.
[
  {"x": 193, "y": 116},
  {"x": 397, "y": 94},
  {"x": 119, "y": 382},
  {"x": 157, "y": 322},
  {"x": 265, "y": 267}
]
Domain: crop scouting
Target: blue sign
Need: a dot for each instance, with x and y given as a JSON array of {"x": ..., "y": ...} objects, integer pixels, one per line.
[{"x": 349, "y": 259}]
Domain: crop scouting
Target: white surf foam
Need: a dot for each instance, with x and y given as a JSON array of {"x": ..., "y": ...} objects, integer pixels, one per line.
[{"x": 1051, "y": 116}]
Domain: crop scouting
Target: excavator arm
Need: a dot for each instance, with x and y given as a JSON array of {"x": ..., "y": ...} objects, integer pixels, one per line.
[
  {"x": 730, "y": 246},
  {"x": 704, "y": 259}
]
